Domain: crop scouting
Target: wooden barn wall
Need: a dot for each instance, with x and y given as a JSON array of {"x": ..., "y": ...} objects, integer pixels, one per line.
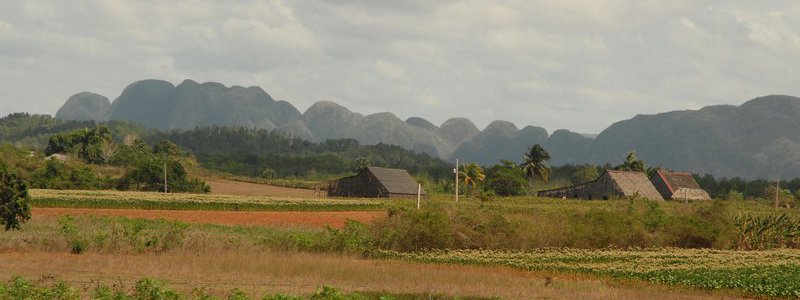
[
  {"x": 602, "y": 188},
  {"x": 361, "y": 185}
]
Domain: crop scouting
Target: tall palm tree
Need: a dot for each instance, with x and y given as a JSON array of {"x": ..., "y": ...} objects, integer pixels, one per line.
[
  {"x": 632, "y": 163},
  {"x": 472, "y": 174},
  {"x": 534, "y": 164}
]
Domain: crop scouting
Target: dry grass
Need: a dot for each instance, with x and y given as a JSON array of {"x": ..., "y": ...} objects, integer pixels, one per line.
[
  {"x": 257, "y": 273},
  {"x": 230, "y": 187}
]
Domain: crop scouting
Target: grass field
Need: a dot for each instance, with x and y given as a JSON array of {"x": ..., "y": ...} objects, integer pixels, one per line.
[
  {"x": 258, "y": 272},
  {"x": 546, "y": 236}
]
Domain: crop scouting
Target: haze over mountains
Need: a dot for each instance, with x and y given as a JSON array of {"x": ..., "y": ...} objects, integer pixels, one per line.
[{"x": 759, "y": 139}]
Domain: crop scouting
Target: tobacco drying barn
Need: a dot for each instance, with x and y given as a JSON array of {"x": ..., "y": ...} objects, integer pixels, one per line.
[
  {"x": 678, "y": 186},
  {"x": 612, "y": 184},
  {"x": 375, "y": 182}
]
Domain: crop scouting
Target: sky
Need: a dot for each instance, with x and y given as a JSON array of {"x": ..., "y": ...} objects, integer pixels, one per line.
[{"x": 578, "y": 65}]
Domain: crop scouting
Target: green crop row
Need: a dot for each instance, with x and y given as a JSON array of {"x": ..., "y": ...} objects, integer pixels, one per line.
[
  {"x": 774, "y": 273},
  {"x": 151, "y": 289},
  {"x": 149, "y": 200}
]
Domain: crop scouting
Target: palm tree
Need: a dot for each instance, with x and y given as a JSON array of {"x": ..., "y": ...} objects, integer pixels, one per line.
[
  {"x": 471, "y": 175},
  {"x": 534, "y": 164},
  {"x": 632, "y": 163}
]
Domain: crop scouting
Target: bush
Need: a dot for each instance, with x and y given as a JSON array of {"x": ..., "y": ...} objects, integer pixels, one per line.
[
  {"x": 66, "y": 176},
  {"x": 148, "y": 175},
  {"x": 14, "y": 199},
  {"x": 18, "y": 288},
  {"x": 506, "y": 180},
  {"x": 151, "y": 289}
]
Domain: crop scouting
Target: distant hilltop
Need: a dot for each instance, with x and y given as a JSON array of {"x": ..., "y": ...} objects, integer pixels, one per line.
[{"x": 758, "y": 139}]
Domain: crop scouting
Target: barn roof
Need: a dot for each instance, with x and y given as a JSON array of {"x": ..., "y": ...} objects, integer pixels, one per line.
[
  {"x": 683, "y": 182},
  {"x": 396, "y": 181},
  {"x": 677, "y": 180},
  {"x": 630, "y": 183}
]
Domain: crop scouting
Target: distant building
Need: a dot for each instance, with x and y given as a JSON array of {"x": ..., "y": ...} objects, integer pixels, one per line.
[
  {"x": 375, "y": 182},
  {"x": 611, "y": 184},
  {"x": 678, "y": 186}
]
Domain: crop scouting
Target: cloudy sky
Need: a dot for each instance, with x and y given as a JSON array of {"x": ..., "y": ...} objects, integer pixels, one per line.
[{"x": 580, "y": 65}]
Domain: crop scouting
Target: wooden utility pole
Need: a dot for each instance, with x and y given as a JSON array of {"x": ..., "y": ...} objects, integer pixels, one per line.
[
  {"x": 419, "y": 193},
  {"x": 777, "y": 191},
  {"x": 456, "y": 171},
  {"x": 165, "y": 178}
]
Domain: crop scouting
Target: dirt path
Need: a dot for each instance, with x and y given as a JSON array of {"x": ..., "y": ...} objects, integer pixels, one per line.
[
  {"x": 304, "y": 219},
  {"x": 229, "y": 187}
]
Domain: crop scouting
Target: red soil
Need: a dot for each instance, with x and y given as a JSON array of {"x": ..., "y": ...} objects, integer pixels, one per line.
[{"x": 290, "y": 219}]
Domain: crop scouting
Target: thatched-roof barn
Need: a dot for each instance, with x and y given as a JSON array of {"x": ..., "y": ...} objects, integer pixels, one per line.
[
  {"x": 612, "y": 184},
  {"x": 375, "y": 182},
  {"x": 678, "y": 186}
]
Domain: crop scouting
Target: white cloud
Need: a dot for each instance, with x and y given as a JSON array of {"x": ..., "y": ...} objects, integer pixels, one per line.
[
  {"x": 559, "y": 64},
  {"x": 390, "y": 70}
]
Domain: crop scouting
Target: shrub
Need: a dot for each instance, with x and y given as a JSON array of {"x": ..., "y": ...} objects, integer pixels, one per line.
[
  {"x": 14, "y": 199},
  {"x": 66, "y": 176},
  {"x": 151, "y": 289}
]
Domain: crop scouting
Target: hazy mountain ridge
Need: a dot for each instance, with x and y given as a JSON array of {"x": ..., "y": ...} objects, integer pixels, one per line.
[{"x": 757, "y": 139}]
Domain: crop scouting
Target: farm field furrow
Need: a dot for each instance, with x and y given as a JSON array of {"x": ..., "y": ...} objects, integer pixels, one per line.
[{"x": 334, "y": 219}]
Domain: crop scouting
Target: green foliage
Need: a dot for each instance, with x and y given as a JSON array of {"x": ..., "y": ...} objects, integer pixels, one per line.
[
  {"x": 487, "y": 195},
  {"x": 331, "y": 293},
  {"x": 103, "y": 292},
  {"x": 506, "y": 179},
  {"x": 14, "y": 199},
  {"x": 353, "y": 238},
  {"x": 585, "y": 173},
  {"x": 66, "y": 176},
  {"x": 237, "y": 294},
  {"x": 86, "y": 144},
  {"x": 769, "y": 275},
  {"x": 148, "y": 175},
  {"x": 471, "y": 174},
  {"x": 767, "y": 232},
  {"x": 268, "y": 174},
  {"x": 151, "y": 289},
  {"x": 72, "y": 235},
  {"x": 632, "y": 163},
  {"x": 19, "y": 288},
  {"x": 250, "y": 151},
  {"x": 734, "y": 195}
]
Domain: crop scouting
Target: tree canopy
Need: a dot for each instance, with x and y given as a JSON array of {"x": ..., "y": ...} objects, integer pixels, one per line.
[{"x": 534, "y": 164}]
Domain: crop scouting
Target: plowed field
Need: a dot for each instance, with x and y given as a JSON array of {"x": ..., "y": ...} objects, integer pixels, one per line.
[{"x": 301, "y": 219}]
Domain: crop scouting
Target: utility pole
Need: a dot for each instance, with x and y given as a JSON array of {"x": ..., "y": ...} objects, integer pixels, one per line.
[
  {"x": 456, "y": 171},
  {"x": 777, "y": 191},
  {"x": 165, "y": 178},
  {"x": 419, "y": 193}
]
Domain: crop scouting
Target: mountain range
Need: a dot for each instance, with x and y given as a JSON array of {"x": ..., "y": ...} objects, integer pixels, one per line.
[{"x": 758, "y": 139}]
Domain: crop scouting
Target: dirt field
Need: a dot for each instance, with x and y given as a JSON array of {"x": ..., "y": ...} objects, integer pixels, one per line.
[
  {"x": 302, "y": 219},
  {"x": 302, "y": 273},
  {"x": 228, "y": 187}
]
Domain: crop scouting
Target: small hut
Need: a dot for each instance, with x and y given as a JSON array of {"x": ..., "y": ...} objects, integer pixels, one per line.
[
  {"x": 375, "y": 182},
  {"x": 678, "y": 186},
  {"x": 612, "y": 184}
]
